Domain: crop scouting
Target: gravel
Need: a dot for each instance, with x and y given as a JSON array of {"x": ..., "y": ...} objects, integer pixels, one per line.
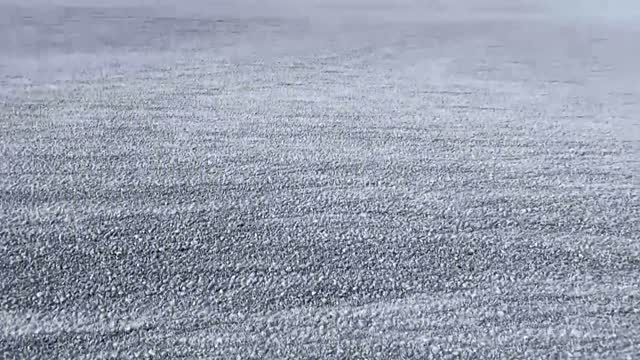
[{"x": 319, "y": 179}]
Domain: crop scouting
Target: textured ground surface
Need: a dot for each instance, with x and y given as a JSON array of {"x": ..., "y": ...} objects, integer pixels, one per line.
[{"x": 327, "y": 179}]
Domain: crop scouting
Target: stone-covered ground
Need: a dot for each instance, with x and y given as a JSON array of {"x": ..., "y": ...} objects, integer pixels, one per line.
[{"x": 319, "y": 179}]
